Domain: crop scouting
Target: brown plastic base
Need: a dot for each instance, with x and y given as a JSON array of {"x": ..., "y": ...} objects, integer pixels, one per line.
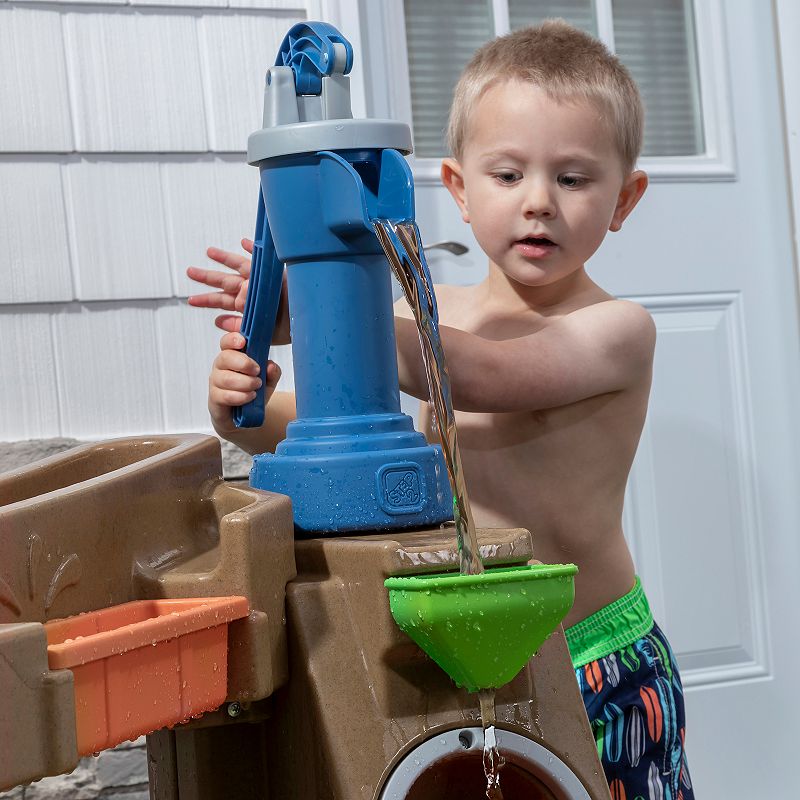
[{"x": 361, "y": 695}]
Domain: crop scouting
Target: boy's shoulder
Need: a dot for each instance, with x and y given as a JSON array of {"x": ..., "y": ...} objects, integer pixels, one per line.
[
  {"x": 620, "y": 330},
  {"x": 620, "y": 321},
  {"x": 609, "y": 308}
]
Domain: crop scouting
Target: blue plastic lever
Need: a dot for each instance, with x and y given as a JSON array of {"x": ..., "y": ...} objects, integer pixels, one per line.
[
  {"x": 309, "y": 50},
  {"x": 260, "y": 313}
]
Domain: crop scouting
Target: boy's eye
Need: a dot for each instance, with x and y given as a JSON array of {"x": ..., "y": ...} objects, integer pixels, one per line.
[
  {"x": 507, "y": 178},
  {"x": 571, "y": 181}
]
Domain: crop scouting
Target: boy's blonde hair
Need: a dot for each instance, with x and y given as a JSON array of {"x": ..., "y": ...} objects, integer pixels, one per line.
[{"x": 568, "y": 65}]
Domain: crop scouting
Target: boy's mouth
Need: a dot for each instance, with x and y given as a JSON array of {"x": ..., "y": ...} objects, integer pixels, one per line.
[
  {"x": 535, "y": 246},
  {"x": 538, "y": 240}
]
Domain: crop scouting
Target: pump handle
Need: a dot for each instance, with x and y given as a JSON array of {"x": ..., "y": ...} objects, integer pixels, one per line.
[
  {"x": 260, "y": 313},
  {"x": 309, "y": 50}
]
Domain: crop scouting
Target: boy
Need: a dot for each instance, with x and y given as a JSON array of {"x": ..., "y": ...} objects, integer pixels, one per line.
[{"x": 550, "y": 374}]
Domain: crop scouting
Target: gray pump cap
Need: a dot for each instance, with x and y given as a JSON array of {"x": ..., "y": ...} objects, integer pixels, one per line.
[{"x": 296, "y": 124}]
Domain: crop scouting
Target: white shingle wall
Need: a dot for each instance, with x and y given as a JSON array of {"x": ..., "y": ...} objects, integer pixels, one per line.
[{"x": 123, "y": 128}]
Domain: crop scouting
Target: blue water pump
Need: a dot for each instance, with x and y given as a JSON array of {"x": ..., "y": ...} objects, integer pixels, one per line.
[{"x": 351, "y": 460}]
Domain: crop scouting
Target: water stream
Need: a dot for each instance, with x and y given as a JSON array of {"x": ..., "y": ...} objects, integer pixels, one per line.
[
  {"x": 403, "y": 247},
  {"x": 492, "y": 760}
]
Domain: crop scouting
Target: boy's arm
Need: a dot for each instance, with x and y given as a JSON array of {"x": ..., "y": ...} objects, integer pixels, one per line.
[
  {"x": 233, "y": 381},
  {"x": 599, "y": 349},
  {"x": 425, "y": 424}
]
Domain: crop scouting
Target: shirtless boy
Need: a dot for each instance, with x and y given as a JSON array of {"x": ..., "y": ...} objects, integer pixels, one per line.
[{"x": 550, "y": 374}]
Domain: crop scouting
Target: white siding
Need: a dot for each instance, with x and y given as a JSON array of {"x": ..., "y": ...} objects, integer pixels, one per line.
[
  {"x": 106, "y": 362},
  {"x": 136, "y": 82},
  {"x": 33, "y": 92},
  {"x": 29, "y": 398},
  {"x": 122, "y": 157},
  {"x": 117, "y": 227},
  {"x": 34, "y": 260}
]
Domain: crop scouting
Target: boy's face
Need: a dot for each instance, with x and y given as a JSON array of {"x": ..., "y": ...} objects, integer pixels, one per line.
[{"x": 540, "y": 181}]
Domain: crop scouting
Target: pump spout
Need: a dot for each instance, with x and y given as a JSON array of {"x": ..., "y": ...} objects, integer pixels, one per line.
[{"x": 376, "y": 186}]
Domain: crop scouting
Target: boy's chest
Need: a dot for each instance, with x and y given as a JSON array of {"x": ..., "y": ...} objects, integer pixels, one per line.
[{"x": 484, "y": 436}]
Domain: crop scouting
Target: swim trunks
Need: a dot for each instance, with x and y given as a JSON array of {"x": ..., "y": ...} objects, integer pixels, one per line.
[{"x": 632, "y": 691}]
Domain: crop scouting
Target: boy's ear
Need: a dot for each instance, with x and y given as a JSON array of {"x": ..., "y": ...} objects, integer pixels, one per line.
[
  {"x": 453, "y": 179},
  {"x": 630, "y": 194}
]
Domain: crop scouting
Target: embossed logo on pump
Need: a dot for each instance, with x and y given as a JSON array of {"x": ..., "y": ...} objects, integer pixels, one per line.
[{"x": 401, "y": 488}]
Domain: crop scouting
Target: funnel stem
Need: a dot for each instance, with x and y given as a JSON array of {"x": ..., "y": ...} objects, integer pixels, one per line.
[{"x": 486, "y": 699}]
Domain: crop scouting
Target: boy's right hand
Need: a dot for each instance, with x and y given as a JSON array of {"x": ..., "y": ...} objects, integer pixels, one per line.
[{"x": 233, "y": 382}]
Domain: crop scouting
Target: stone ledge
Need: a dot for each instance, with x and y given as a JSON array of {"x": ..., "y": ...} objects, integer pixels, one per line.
[
  {"x": 122, "y": 768},
  {"x": 13, "y": 455},
  {"x": 81, "y": 784},
  {"x": 119, "y": 774}
]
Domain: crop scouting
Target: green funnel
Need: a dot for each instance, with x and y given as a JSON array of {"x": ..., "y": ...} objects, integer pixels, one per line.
[{"x": 482, "y": 629}]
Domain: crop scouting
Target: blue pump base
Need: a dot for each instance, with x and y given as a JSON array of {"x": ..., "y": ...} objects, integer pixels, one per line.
[{"x": 384, "y": 476}]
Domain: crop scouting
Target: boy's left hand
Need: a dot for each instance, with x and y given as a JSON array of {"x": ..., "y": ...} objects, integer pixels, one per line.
[
  {"x": 233, "y": 287},
  {"x": 233, "y": 291}
]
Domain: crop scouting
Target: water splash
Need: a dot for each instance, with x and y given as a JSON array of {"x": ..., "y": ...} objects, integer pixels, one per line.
[{"x": 403, "y": 247}]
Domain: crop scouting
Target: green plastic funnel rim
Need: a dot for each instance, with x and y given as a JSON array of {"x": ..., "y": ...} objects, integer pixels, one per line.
[{"x": 495, "y": 575}]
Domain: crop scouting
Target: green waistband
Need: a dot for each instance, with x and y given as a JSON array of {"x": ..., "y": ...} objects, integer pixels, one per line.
[{"x": 611, "y": 628}]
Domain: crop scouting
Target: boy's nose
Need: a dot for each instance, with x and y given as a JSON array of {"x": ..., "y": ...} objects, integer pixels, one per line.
[{"x": 539, "y": 202}]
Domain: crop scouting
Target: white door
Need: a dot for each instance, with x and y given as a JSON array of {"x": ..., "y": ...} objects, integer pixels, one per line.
[{"x": 712, "y": 515}]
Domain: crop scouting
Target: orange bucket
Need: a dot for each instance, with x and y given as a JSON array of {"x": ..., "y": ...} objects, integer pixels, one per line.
[{"x": 144, "y": 665}]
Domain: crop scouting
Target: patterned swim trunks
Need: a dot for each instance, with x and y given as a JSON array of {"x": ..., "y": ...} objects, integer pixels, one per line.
[{"x": 634, "y": 699}]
